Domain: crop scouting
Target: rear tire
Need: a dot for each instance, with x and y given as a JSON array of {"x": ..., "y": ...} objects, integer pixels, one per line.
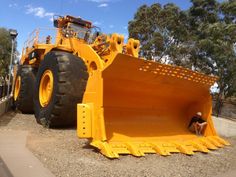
[
  {"x": 23, "y": 99},
  {"x": 69, "y": 84}
]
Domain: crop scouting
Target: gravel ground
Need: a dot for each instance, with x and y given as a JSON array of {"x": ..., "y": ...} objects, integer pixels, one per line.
[{"x": 67, "y": 156}]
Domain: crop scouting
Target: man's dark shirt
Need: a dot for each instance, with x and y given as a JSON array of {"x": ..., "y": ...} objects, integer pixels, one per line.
[{"x": 196, "y": 119}]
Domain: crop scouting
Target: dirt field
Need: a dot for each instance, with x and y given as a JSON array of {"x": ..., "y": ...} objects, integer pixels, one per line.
[{"x": 66, "y": 155}]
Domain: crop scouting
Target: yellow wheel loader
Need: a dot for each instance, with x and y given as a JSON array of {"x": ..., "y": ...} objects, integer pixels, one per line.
[{"x": 122, "y": 103}]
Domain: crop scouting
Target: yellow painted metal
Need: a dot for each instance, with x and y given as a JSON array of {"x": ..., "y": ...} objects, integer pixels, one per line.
[
  {"x": 132, "y": 47},
  {"x": 31, "y": 62},
  {"x": 84, "y": 114},
  {"x": 17, "y": 88},
  {"x": 131, "y": 105},
  {"x": 142, "y": 106},
  {"x": 46, "y": 88},
  {"x": 162, "y": 147}
]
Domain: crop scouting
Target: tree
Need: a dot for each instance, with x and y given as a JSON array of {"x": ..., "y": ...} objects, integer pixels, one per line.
[
  {"x": 202, "y": 38},
  {"x": 228, "y": 8},
  {"x": 5, "y": 51},
  {"x": 215, "y": 33},
  {"x": 154, "y": 25}
]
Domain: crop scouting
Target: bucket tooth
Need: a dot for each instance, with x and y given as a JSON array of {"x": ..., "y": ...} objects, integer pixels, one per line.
[
  {"x": 222, "y": 141},
  {"x": 160, "y": 149},
  {"x": 215, "y": 142},
  {"x": 184, "y": 149},
  {"x": 199, "y": 147},
  {"x": 207, "y": 143},
  {"x": 105, "y": 149},
  {"x": 134, "y": 150}
]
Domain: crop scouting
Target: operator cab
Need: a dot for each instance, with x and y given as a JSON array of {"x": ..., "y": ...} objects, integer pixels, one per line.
[{"x": 76, "y": 27}]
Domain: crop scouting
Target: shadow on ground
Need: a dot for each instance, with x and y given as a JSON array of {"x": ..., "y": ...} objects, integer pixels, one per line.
[{"x": 6, "y": 118}]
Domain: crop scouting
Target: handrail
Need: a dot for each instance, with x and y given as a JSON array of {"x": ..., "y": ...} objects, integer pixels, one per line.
[{"x": 36, "y": 37}]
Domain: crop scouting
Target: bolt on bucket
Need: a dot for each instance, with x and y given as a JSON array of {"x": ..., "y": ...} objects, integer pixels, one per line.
[{"x": 141, "y": 106}]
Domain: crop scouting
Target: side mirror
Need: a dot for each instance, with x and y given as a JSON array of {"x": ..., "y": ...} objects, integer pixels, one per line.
[
  {"x": 55, "y": 20},
  {"x": 55, "y": 23}
]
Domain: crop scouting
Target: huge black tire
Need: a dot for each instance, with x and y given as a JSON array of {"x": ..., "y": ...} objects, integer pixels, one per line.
[
  {"x": 23, "y": 101},
  {"x": 69, "y": 84}
]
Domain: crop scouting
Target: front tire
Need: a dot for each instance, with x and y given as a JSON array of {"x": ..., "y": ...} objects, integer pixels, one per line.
[{"x": 60, "y": 85}]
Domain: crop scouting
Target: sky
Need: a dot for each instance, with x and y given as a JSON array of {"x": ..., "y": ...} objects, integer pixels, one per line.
[{"x": 110, "y": 15}]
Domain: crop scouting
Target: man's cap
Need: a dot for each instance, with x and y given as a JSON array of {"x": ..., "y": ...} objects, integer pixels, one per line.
[{"x": 199, "y": 113}]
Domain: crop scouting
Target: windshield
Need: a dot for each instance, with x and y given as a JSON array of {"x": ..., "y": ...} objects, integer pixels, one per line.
[
  {"x": 80, "y": 31},
  {"x": 87, "y": 34}
]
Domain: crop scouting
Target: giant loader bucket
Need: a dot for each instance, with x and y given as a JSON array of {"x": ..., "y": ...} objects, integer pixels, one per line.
[{"x": 146, "y": 107}]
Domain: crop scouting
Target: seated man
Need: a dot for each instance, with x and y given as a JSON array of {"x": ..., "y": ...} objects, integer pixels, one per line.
[{"x": 197, "y": 124}]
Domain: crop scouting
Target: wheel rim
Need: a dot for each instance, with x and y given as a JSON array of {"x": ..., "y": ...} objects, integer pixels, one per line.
[
  {"x": 46, "y": 88},
  {"x": 17, "y": 88}
]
